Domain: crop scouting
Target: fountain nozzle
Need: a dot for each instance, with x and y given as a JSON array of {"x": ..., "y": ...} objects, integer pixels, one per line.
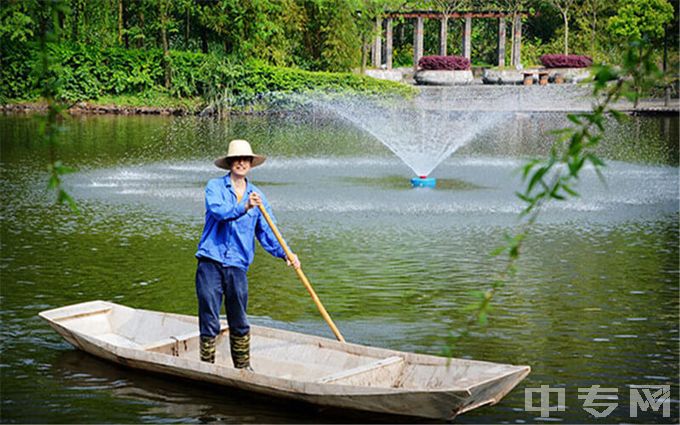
[{"x": 423, "y": 181}]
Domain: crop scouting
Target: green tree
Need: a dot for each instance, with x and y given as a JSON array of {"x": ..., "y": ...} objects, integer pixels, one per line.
[
  {"x": 138, "y": 31},
  {"x": 95, "y": 22},
  {"x": 261, "y": 29},
  {"x": 274, "y": 31},
  {"x": 590, "y": 21},
  {"x": 17, "y": 23},
  {"x": 339, "y": 38},
  {"x": 564, "y": 6},
  {"x": 641, "y": 18},
  {"x": 337, "y": 31}
]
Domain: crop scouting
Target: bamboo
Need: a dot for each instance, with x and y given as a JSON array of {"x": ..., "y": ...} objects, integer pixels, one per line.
[{"x": 302, "y": 276}]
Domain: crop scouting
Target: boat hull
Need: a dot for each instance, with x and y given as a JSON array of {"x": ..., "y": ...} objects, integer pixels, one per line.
[{"x": 288, "y": 365}]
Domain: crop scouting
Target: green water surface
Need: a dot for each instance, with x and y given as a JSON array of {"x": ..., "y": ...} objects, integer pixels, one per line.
[{"x": 595, "y": 300}]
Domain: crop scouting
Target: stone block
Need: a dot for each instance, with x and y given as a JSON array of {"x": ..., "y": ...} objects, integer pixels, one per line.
[{"x": 443, "y": 78}]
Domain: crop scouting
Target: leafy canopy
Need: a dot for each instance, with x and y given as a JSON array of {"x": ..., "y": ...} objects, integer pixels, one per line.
[{"x": 641, "y": 18}]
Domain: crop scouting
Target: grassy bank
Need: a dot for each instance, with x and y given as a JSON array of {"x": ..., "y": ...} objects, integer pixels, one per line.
[{"x": 131, "y": 78}]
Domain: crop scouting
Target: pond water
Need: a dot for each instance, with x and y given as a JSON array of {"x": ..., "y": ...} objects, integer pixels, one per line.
[{"x": 594, "y": 302}]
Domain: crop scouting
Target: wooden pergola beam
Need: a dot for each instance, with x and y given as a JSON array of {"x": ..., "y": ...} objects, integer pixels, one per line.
[{"x": 430, "y": 14}]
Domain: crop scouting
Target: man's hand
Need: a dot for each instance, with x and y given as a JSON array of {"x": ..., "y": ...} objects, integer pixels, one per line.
[
  {"x": 254, "y": 200},
  {"x": 295, "y": 262}
]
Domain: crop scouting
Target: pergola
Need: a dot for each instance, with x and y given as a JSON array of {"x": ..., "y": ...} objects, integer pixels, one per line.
[{"x": 420, "y": 16}]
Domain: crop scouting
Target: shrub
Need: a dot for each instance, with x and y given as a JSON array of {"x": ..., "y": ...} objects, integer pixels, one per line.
[
  {"x": 15, "y": 71},
  {"x": 566, "y": 61},
  {"x": 88, "y": 73},
  {"x": 439, "y": 63}
]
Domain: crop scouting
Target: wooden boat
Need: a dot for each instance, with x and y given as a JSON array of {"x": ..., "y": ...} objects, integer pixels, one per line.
[{"x": 290, "y": 365}]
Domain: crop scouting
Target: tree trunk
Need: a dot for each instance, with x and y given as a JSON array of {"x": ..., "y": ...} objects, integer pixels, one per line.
[
  {"x": 164, "y": 40},
  {"x": 593, "y": 31},
  {"x": 74, "y": 23},
  {"x": 204, "y": 41},
  {"x": 125, "y": 26},
  {"x": 665, "y": 50},
  {"x": 140, "y": 41},
  {"x": 186, "y": 31},
  {"x": 204, "y": 38},
  {"x": 566, "y": 32},
  {"x": 364, "y": 53},
  {"x": 120, "y": 22},
  {"x": 61, "y": 21}
]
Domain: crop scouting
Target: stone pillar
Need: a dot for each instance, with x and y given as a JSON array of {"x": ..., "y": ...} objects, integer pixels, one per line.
[
  {"x": 501, "y": 42},
  {"x": 418, "y": 42},
  {"x": 443, "y": 32},
  {"x": 377, "y": 44},
  {"x": 467, "y": 38},
  {"x": 517, "y": 42},
  {"x": 388, "y": 44}
]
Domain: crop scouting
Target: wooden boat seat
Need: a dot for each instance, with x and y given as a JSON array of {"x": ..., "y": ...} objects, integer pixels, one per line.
[
  {"x": 173, "y": 340},
  {"x": 377, "y": 373}
]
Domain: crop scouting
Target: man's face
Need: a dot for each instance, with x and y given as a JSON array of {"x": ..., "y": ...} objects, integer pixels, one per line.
[{"x": 240, "y": 165}]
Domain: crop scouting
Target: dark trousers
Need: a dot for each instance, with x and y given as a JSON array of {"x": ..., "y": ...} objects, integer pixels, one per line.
[{"x": 215, "y": 282}]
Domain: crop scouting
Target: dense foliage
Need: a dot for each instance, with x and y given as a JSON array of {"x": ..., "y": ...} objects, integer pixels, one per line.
[
  {"x": 638, "y": 18},
  {"x": 310, "y": 34},
  {"x": 566, "y": 61},
  {"x": 448, "y": 63},
  {"x": 332, "y": 35},
  {"x": 90, "y": 73},
  {"x": 207, "y": 47}
]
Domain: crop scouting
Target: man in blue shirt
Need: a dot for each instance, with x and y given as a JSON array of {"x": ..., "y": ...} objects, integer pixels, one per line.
[{"x": 226, "y": 249}]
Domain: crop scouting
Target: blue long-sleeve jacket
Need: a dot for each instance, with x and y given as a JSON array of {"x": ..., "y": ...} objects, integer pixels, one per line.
[{"x": 229, "y": 232}]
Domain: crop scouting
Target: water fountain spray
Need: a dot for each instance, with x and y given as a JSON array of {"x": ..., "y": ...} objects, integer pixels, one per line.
[{"x": 421, "y": 132}]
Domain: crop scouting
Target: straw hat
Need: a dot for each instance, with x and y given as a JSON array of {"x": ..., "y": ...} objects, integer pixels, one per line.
[{"x": 239, "y": 148}]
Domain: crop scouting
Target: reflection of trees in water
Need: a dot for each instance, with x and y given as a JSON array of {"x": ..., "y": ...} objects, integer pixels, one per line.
[
  {"x": 114, "y": 140},
  {"x": 641, "y": 139}
]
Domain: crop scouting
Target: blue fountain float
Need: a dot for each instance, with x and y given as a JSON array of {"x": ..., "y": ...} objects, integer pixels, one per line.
[{"x": 423, "y": 181}]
